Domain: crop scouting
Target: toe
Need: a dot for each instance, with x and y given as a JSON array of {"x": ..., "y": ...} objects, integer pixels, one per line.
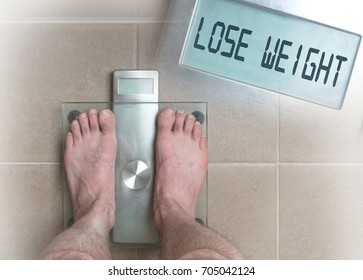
[
  {"x": 189, "y": 123},
  {"x": 203, "y": 143},
  {"x": 107, "y": 121},
  {"x": 69, "y": 141},
  {"x": 93, "y": 120},
  {"x": 84, "y": 123},
  {"x": 197, "y": 131},
  {"x": 68, "y": 149},
  {"x": 179, "y": 121},
  {"x": 165, "y": 120},
  {"x": 76, "y": 130}
]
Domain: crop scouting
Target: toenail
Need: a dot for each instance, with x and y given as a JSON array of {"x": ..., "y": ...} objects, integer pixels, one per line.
[
  {"x": 197, "y": 123},
  {"x": 191, "y": 116},
  {"x": 75, "y": 122},
  {"x": 105, "y": 113},
  {"x": 83, "y": 115},
  {"x": 168, "y": 112},
  {"x": 180, "y": 111},
  {"x": 93, "y": 111}
]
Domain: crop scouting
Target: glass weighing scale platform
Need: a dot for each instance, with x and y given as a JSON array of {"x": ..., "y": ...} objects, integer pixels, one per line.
[{"x": 135, "y": 168}]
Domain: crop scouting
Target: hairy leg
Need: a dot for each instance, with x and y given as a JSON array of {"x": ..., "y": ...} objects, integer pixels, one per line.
[
  {"x": 181, "y": 164},
  {"x": 89, "y": 160}
]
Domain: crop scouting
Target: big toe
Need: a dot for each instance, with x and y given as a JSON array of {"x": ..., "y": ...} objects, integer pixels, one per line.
[
  {"x": 107, "y": 121},
  {"x": 166, "y": 120}
]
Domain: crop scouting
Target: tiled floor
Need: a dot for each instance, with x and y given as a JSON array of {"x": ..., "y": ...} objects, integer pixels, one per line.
[
  {"x": 285, "y": 176},
  {"x": 40, "y": 10}
]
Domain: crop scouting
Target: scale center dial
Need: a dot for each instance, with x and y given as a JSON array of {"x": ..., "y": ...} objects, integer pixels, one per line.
[{"x": 136, "y": 174}]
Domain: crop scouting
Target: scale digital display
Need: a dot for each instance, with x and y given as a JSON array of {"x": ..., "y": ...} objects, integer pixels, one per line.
[
  {"x": 135, "y": 86},
  {"x": 271, "y": 50}
]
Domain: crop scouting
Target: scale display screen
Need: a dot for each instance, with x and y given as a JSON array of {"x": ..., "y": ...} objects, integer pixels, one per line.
[
  {"x": 271, "y": 50},
  {"x": 135, "y": 86}
]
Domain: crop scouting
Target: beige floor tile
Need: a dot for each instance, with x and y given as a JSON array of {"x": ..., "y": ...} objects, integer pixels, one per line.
[
  {"x": 311, "y": 133},
  {"x": 68, "y": 8},
  {"x": 42, "y": 66},
  {"x": 321, "y": 212},
  {"x": 240, "y": 130},
  {"x": 30, "y": 209},
  {"x": 242, "y": 208},
  {"x": 154, "y": 9},
  {"x": 148, "y": 40}
]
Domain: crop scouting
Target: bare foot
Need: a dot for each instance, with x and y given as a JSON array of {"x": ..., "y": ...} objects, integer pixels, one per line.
[
  {"x": 89, "y": 160},
  {"x": 181, "y": 164}
]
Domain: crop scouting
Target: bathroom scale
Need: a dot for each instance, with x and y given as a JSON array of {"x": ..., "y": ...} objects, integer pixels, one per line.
[{"x": 135, "y": 105}]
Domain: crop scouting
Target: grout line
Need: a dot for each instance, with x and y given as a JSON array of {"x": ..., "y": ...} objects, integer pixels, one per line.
[
  {"x": 30, "y": 163},
  {"x": 137, "y": 47},
  {"x": 78, "y": 20},
  {"x": 312, "y": 164},
  {"x": 278, "y": 180},
  {"x": 242, "y": 164},
  {"x": 222, "y": 164},
  {"x": 137, "y": 7},
  {"x": 284, "y": 164}
]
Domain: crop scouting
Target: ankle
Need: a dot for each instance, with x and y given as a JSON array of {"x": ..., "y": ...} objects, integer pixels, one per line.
[
  {"x": 172, "y": 215},
  {"x": 99, "y": 217}
]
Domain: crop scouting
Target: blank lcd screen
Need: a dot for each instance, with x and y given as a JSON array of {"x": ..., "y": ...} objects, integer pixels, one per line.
[{"x": 135, "y": 86}]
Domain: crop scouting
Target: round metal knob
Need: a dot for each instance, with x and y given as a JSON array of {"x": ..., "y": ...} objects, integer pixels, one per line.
[{"x": 136, "y": 174}]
